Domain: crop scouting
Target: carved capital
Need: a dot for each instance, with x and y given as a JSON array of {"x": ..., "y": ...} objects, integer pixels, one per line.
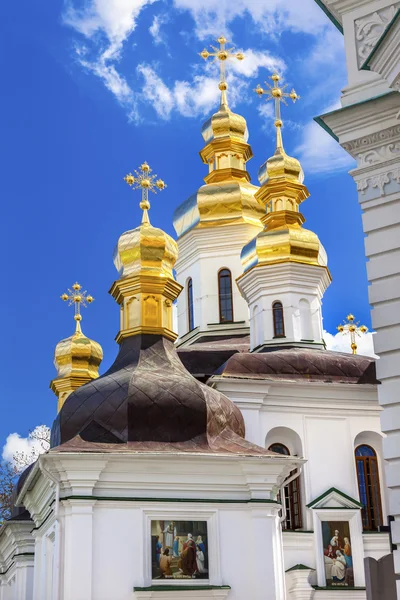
[
  {"x": 369, "y": 29},
  {"x": 379, "y": 181}
]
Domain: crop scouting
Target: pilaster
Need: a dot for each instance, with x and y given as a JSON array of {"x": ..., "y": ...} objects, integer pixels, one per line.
[{"x": 78, "y": 562}]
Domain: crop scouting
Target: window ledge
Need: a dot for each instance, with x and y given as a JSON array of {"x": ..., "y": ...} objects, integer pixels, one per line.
[{"x": 192, "y": 592}]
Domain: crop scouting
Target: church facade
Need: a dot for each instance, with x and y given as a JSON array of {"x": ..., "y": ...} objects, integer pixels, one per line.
[{"x": 237, "y": 458}]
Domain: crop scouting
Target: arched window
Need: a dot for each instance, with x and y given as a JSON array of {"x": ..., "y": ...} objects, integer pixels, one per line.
[
  {"x": 292, "y": 495},
  {"x": 369, "y": 487},
  {"x": 190, "y": 304},
  {"x": 279, "y": 324},
  {"x": 225, "y": 296}
]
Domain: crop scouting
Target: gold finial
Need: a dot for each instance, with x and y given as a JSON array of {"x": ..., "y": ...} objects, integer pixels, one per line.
[
  {"x": 350, "y": 326},
  {"x": 277, "y": 93},
  {"x": 78, "y": 298},
  {"x": 222, "y": 54},
  {"x": 145, "y": 181}
]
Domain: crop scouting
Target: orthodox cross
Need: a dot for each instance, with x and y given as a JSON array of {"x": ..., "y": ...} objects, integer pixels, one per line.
[
  {"x": 222, "y": 54},
  {"x": 277, "y": 93},
  {"x": 145, "y": 181},
  {"x": 78, "y": 298},
  {"x": 350, "y": 326}
]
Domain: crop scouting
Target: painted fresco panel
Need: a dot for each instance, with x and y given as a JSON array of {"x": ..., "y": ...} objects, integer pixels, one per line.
[
  {"x": 179, "y": 550},
  {"x": 337, "y": 554}
]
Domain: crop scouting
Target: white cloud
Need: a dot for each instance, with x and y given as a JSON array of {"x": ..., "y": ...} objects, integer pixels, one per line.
[
  {"x": 271, "y": 16},
  {"x": 22, "y": 451},
  {"x": 340, "y": 343},
  {"x": 254, "y": 60},
  {"x": 115, "y": 18},
  {"x": 155, "y": 28},
  {"x": 320, "y": 153},
  {"x": 201, "y": 94}
]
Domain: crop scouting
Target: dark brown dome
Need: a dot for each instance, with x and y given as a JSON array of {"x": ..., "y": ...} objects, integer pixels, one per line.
[
  {"x": 301, "y": 364},
  {"x": 146, "y": 396}
]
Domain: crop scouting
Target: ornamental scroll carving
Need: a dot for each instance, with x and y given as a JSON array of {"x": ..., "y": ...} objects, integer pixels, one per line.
[
  {"x": 369, "y": 29},
  {"x": 380, "y": 154}
]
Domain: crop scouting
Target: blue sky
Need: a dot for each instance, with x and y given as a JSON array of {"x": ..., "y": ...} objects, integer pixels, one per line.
[{"x": 93, "y": 88}]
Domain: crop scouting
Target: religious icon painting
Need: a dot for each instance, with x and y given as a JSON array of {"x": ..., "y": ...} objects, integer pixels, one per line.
[
  {"x": 179, "y": 550},
  {"x": 337, "y": 554}
]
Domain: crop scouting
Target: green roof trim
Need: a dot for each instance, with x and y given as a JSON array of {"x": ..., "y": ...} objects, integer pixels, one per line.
[
  {"x": 299, "y": 567},
  {"x": 180, "y": 588},
  {"x": 337, "y": 588},
  {"x": 181, "y": 500},
  {"x": 365, "y": 66},
  {"x": 329, "y": 15},
  {"x": 342, "y": 494},
  {"x": 322, "y": 124}
]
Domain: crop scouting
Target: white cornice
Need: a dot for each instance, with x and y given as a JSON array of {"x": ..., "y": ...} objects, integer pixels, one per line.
[{"x": 358, "y": 121}]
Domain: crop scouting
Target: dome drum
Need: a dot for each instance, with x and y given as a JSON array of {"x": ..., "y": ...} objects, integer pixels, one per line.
[{"x": 146, "y": 305}]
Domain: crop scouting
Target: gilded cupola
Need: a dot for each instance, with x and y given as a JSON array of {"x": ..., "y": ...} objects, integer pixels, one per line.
[
  {"x": 281, "y": 193},
  {"x": 228, "y": 196},
  {"x": 145, "y": 258},
  {"x": 76, "y": 358}
]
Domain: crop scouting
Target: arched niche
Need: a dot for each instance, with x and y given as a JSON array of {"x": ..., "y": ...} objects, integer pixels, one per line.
[
  {"x": 305, "y": 320},
  {"x": 286, "y": 436}
]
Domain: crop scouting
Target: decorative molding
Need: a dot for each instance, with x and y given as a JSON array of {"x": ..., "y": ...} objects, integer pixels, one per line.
[
  {"x": 370, "y": 140},
  {"x": 380, "y": 154},
  {"x": 379, "y": 181},
  {"x": 369, "y": 29}
]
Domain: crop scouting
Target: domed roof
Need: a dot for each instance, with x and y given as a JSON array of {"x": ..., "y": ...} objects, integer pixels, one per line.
[
  {"x": 147, "y": 250},
  {"x": 281, "y": 165},
  {"x": 220, "y": 203},
  {"x": 228, "y": 196},
  {"x": 147, "y": 396},
  {"x": 78, "y": 355},
  {"x": 225, "y": 123},
  {"x": 287, "y": 241}
]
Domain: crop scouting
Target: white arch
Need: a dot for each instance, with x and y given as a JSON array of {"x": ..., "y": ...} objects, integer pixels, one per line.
[
  {"x": 374, "y": 439},
  {"x": 287, "y": 436}
]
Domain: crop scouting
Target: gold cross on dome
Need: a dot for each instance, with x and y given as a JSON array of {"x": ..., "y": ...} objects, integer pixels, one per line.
[
  {"x": 144, "y": 180},
  {"x": 78, "y": 298},
  {"x": 350, "y": 326},
  {"x": 277, "y": 93},
  {"x": 222, "y": 54}
]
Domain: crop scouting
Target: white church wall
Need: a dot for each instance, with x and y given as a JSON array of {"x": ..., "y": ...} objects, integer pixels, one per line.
[
  {"x": 123, "y": 561},
  {"x": 202, "y": 254},
  {"x": 323, "y": 423}
]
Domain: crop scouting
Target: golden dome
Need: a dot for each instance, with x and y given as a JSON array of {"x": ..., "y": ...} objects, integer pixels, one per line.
[
  {"x": 228, "y": 196},
  {"x": 281, "y": 165},
  {"x": 77, "y": 360},
  {"x": 145, "y": 250},
  {"x": 282, "y": 191},
  {"x": 284, "y": 240},
  {"x": 145, "y": 258},
  {"x": 225, "y": 123}
]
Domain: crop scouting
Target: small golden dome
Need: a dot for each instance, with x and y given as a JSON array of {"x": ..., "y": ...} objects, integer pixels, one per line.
[
  {"x": 145, "y": 250},
  {"x": 225, "y": 123},
  {"x": 78, "y": 356},
  {"x": 77, "y": 360},
  {"x": 281, "y": 165}
]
